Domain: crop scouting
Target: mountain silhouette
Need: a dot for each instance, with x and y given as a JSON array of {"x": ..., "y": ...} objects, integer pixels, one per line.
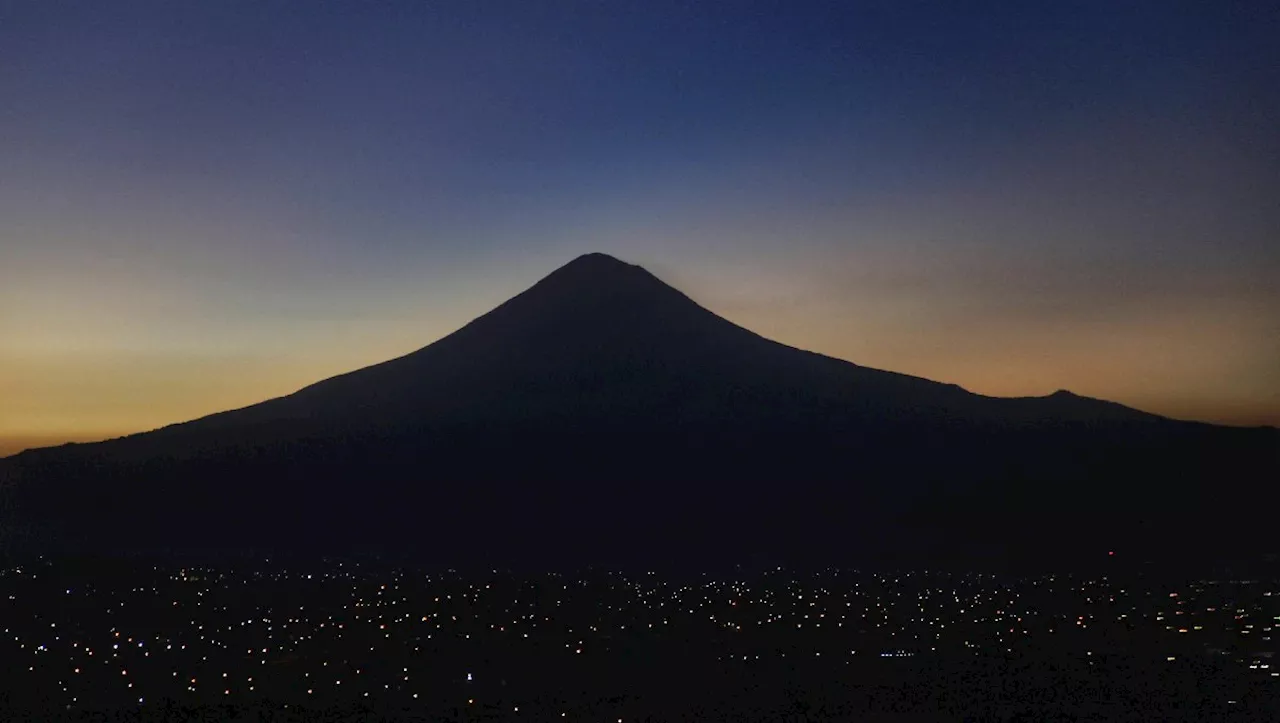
[{"x": 603, "y": 416}]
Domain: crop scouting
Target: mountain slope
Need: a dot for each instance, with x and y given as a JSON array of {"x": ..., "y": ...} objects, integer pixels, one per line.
[
  {"x": 602, "y": 409},
  {"x": 599, "y": 336}
]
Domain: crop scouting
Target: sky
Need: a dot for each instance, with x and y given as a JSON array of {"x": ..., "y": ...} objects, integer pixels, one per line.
[{"x": 207, "y": 204}]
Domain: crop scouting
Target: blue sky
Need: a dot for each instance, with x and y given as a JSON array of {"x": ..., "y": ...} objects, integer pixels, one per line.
[{"x": 205, "y": 204}]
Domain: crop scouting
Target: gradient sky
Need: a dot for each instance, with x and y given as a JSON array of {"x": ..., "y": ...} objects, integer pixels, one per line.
[{"x": 205, "y": 204}]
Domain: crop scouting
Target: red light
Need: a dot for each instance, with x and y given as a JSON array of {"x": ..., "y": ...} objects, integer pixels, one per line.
[{"x": 1111, "y": 553}]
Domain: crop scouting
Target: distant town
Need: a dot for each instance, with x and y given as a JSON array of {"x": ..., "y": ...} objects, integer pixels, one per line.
[{"x": 357, "y": 639}]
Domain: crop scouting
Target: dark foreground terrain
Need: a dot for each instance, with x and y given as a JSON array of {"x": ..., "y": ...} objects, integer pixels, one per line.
[{"x": 259, "y": 640}]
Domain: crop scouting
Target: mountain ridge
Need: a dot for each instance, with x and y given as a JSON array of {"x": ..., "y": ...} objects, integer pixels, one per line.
[
  {"x": 590, "y": 271},
  {"x": 601, "y": 402}
]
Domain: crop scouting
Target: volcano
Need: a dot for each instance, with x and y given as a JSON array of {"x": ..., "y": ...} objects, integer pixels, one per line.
[{"x": 603, "y": 416}]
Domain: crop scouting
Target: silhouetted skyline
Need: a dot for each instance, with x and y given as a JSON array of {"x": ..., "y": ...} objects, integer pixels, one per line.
[{"x": 207, "y": 205}]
